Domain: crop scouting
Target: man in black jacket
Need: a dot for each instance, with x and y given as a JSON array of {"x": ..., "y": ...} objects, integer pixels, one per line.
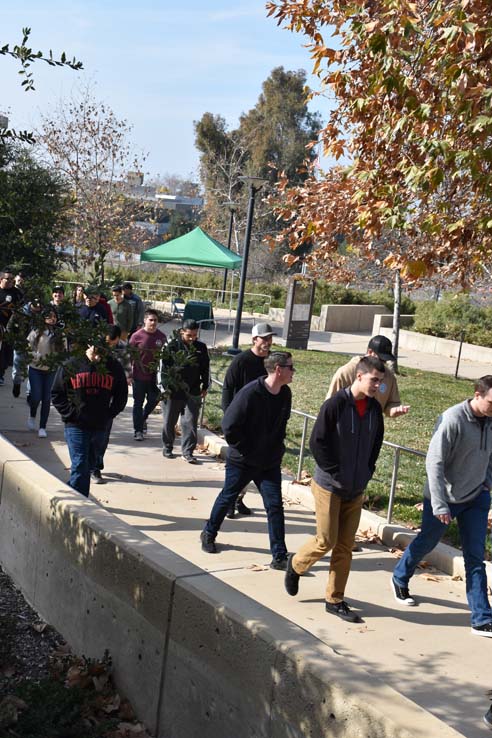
[
  {"x": 254, "y": 426},
  {"x": 88, "y": 392},
  {"x": 244, "y": 368},
  {"x": 345, "y": 443},
  {"x": 185, "y": 379}
]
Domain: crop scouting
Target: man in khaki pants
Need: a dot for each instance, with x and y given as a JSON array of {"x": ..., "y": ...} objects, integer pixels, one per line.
[{"x": 345, "y": 443}]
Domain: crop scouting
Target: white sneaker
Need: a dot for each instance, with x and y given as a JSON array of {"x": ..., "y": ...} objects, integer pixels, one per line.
[
  {"x": 42, "y": 433},
  {"x": 31, "y": 423}
]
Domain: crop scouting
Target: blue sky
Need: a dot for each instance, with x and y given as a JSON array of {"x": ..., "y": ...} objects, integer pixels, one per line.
[{"x": 160, "y": 65}]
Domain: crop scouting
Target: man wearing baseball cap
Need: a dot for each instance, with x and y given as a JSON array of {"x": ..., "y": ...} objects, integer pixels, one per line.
[
  {"x": 387, "y": 395},
  {"x": 243, "y": 369}
]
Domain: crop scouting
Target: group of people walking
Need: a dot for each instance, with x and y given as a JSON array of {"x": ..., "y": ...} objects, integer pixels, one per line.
[
  {"x": 345, "y": 442},
  {"x": 90, "y": 389}
]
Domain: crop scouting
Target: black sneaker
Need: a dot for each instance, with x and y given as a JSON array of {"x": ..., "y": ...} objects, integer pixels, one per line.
[
  {"x": 279, "y": 563},
  {"x": 190, "y": 459},
  {"x": 16, "y": 390},
  {"x": 168, "y": 453},
  {"x": 342, "y": 610},
  {"x": 487, "y": 718},
  {"x": 208, "y": 542},
  {"x": 291, "y": 580},
  {"x": 242, "y": 508},
  {"x": 97, "y": 478},
  {"x": 231, "y": 512},
  {"x": 482, "y": 630},
  {"x": 402, "y": 595}
]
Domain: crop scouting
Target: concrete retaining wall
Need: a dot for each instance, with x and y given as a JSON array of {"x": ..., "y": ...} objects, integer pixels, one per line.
[
  {"x": 440, "y": 346},
  {"x": 386, "y": 321},
  {"x": 338, "y": 318},
  {"x": 196, "y": 657}
]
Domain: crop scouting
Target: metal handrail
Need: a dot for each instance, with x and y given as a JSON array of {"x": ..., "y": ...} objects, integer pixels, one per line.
[
  {"x": 147, "y": 289},
  {"x": 398, "y": 448}
]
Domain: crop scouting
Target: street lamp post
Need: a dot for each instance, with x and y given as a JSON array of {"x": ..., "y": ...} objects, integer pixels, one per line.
[
  {"x": 232, "y": 209},
  {"x": 255, "y": 185}
]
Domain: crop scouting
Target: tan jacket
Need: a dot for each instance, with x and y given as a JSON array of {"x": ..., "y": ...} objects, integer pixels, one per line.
[{"x": 387, "y": 394}]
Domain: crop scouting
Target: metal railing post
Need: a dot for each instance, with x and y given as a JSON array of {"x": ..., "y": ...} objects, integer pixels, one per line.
[
  {"x": 394, "y": 479},
  {"x": 301, "y": 451}
]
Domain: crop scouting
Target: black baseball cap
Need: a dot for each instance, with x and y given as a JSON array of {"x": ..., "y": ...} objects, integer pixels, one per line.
[
  {"x": 382, "y": 347},
  {"x": 58, "y": 288}
]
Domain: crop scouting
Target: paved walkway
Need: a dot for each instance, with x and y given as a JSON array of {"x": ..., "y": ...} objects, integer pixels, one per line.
[{"x": 427, "y": 653}]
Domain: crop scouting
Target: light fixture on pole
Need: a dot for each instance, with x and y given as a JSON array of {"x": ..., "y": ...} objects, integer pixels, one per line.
[
  {"x": 255, "y": 184},
  {"x": 232, "y": 209}
]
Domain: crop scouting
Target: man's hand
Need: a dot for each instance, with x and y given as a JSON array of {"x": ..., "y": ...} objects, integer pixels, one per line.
[
  {"x": 444, "y": 518},
  {"x": 203, "y": 393},
  {"x": 395, "y": 412}
]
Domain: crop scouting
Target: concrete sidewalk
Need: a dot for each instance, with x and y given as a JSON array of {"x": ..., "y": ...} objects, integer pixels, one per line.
[{"x": 426, "y": 653}]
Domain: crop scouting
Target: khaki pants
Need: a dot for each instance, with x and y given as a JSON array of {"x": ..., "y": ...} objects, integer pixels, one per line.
[{"x": 336, "y": 525}]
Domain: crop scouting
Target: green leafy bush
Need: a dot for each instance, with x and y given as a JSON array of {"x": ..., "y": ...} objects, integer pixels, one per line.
[{"x": 455, "y": 317}]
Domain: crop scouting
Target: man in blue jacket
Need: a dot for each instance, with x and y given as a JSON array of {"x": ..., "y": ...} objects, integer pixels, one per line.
[
  {"x": 459, "y": 478},
  {"x": 345, "y": 443},
  {"x": 254, "y": 426}
]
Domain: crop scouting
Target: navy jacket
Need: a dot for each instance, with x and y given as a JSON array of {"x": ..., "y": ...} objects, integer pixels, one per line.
[{"x": 346, "y": 446}]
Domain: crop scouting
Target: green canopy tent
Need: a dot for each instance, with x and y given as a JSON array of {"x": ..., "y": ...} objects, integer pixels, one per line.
[{"x": 195, "y": 248}]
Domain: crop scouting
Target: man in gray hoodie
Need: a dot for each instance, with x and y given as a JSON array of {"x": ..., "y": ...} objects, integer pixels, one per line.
[{"x": 459, "y": 477}]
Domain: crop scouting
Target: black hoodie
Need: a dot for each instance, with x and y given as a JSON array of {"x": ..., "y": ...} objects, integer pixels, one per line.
[
  {"x": 254, "y": 425},
  {"x": 346, "y": 446},
  {"x": 89, "y": 394}
]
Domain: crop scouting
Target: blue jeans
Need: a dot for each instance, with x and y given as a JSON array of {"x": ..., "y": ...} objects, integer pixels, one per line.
[
  {"x": 269, "y": 482},
  {"x": 40, "y": 383},
  {"x": 143, "y": 389},
  {"x": 84, "y": 447},
  {"x": 100, "y": 449},
  {"x": 472, "y": 523}
]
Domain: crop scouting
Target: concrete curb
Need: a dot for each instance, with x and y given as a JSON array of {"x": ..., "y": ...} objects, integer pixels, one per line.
[{"x": 446, "y": 558}]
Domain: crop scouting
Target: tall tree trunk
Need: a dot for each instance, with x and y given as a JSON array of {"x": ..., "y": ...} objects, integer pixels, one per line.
[{"x": 396, "y": 317}]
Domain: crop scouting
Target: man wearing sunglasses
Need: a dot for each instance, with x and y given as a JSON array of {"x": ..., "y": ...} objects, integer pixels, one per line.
[{"x": 254, "y": 426}]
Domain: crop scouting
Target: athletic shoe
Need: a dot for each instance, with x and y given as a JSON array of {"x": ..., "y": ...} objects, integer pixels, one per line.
[
  {"x": 208, "y": 542},
  {"x": 231, "y": 512},
  {"x": 482, "y": 630},
  {"x": 279, "y": 563},
  {"x": 242, "y": 508},
  {"x": 402, "y": 595},
  {"x": 487, "y": 718},
  {"x": 31, "y": 423},
  {"x": 16, "y": 390},
  {"x": 291, "y": 581},
  {"x": 168, "y": 453},
  {"x": 190, "y": 459},
  {"x": 343, "y": 611},
  {"x": 138, "y": 435},
  {"x": 97, "y": 478},
  {"x": 42, "y": 433}
]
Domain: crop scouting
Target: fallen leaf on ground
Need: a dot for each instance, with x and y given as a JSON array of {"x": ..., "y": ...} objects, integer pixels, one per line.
[
  {"x": 430, "y": 578},
  {"x": 424, "y": 565},
  {"x": 192, "y": 498},
  {"x": 457, "y": 578},
  {"x": 368, "y": 537},
  {"x": 396, "y": 552},
  {"x": 258, "y": 567},
  {"x": 39, "y": 627},
  {"x": 419, "y": 506}
]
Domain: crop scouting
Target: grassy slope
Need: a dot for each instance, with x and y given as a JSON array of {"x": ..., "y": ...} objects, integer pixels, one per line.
[{"x": 427, "y": 393}]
